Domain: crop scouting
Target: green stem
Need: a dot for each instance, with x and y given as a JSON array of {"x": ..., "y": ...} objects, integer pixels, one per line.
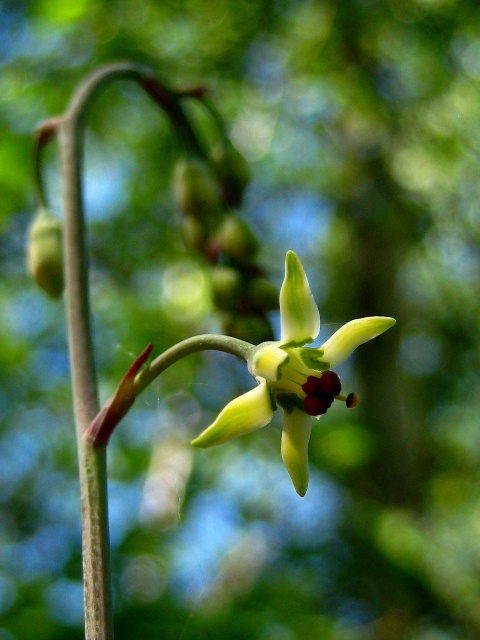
[
  {"x": 44, "y": 133},
  {"x": 92, "y": 460},
  {"x": 39, "y": 189},
  {"x": 205, "y": 100},
  {"x": 206, "y": 342},
  {"x": 166, "y": 99}
]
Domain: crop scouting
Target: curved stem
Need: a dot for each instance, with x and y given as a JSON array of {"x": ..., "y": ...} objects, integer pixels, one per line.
[
  {"x": 92, "y": 460},
  {"x": 135, "y": 381},
  {"x": 76, "y": 277},
  {"x": 205, "y": 100},
  {"x": 44, "y": 133},
  {"x": 206, "y": 342},
  {"x": 38, "y": 185},
  {"x": 143, "y": 76}
]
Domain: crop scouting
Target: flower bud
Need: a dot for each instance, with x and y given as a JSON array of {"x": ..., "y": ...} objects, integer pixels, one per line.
[
  {"x": 226, "y": 286},
  {"x": 263, "y": 295},
  {"x": 44, "y": 253},
  {"x": 251, "y": 328},
  {"x": 233, "y": 172},
  {"x": 235, "y": 239},
  {"x": 195, "y": 188},
  {"x": 193, "y": 233}
]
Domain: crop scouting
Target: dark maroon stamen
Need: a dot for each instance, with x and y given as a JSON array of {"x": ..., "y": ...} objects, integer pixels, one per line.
[
  {"x": 320, "y": 392},
  {"x": 314, "y": 406},
  {"x": 327, "y": 386},
  {"x": 312, "y": 386},
  {"x": 352, "y": 400},
  {"x": 330, "y": 383}
]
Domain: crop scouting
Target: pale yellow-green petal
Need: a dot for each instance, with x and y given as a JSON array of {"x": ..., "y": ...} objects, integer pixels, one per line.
[
  {"x": 267, "y": 360},
  {"x": 351, "y": 335},
  {"x": 244, "y": 414},
  {"x": 297, "y": 427},
  {"x": 299, "y": 316}
]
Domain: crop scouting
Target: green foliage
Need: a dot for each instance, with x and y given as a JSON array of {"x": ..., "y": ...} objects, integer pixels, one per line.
[{"x": 360, "y": 124}]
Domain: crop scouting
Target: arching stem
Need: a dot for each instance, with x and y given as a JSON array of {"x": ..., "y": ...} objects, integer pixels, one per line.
[
  {"x": 135, "y": 381},
  {"x": 92, "y": 459},
  {"x": 206, "y": 342}
]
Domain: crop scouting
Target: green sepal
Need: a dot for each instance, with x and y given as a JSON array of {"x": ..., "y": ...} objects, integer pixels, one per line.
[
  {"x": 352, "y": 334},
  {"x": 294, "y": 344},
  {"x": 266, "y": 361},
  {"x": 271, "y": 395},
  {"x": 297, "y": 428},
  {"x": 312, "y": 358},
  {"x": 299, "y": 316},
  {"x": 289, "y": 402},
  {"x": 280, "y": 367},
  {"x": 249, "y": 412}
]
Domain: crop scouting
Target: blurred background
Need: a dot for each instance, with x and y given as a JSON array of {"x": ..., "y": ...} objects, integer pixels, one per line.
[{"x": 360, "y": 122}]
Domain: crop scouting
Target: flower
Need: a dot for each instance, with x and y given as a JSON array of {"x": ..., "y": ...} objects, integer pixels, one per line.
[{"x": 298, "y": 378}]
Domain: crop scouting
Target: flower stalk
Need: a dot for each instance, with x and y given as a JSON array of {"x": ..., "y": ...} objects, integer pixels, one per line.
[
  {"x": 91, "y": 460},
  {"x": 94, "y": 425},
  {"x": 69, "y": 129},
  {"x": 135, "y": 381}
]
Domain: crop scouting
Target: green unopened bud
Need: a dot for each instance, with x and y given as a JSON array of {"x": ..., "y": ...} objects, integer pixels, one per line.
[
  {"x": 196, "y": 189},
  {"x": 226, "y": 286},
  {"x": 193, "y": 233},
  {"x": 251, "y": 328},
  {"x": 233, "y": 172},
  {"x": 263, "y": 295},
  {"x": 44, "y": 253},
  {"x": 235, "y": 239}
]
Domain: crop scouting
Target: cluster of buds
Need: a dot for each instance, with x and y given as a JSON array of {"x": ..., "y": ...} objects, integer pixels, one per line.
[{"x": 206, "y": 191}]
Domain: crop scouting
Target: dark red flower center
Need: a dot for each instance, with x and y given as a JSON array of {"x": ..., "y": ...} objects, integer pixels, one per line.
[{"x": 320, "y": 393}]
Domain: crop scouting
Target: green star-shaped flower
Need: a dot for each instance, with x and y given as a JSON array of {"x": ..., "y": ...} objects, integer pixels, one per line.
[{"x": 298, "y": 378}]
